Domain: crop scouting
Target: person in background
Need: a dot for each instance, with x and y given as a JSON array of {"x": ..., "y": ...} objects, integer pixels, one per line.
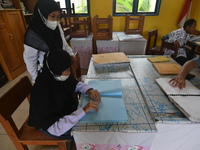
[
  {"x": 44, "y": 33},
  {"x": 53, "y": 109},
  {"x": 180, "y": 37},
  {"x": 179, "y": 80}
]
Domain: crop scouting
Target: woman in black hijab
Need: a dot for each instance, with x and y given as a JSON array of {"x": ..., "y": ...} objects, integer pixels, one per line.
[
  {"x": 53, "y": 109},
  {"x": 43, "y": 34}
]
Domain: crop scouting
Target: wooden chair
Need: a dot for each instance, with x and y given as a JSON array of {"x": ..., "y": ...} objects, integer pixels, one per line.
[
  {"x": 83, "y": 27},
  {"x": 65, "y": 23},
  {"x": 167, "y": 45},
  {"x": 76, "y": 73},
  {"x": 102, "y": 30},
  {"x": 190, "y": 50},
  {"x": 68, "y": 14},
  {"x": 140, "y": 24},
  {"x": 152, "y": 48},
  {"x": 189, "y": 47},
  {"x": 75, "y": 68},
  {"x": 26, "y": 135}
]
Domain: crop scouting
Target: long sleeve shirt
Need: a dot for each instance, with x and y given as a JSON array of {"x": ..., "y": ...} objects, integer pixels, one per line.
[
  {"x": 67, "y": 122},
  {"x": 34, "y": 58}
]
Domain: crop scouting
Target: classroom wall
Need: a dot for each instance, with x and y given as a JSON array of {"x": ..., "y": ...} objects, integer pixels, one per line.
[
  {"x": 195, "y": 12},
  {"x": 165, "y": 22}
]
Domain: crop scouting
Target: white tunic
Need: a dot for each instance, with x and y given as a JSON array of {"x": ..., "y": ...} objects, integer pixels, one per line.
[{"x": 33, "y": 56}]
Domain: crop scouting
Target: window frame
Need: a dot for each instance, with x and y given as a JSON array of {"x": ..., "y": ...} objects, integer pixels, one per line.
[
  {"x": 135, "y": 8},
  {"x": 68, "y": 4}
]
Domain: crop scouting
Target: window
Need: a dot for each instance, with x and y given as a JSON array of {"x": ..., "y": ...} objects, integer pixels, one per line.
[
  {"x": 136, "y": 7},
  {"x": 82, "y": 7}
]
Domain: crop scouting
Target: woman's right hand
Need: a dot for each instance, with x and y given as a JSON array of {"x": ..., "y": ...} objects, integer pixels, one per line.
[
  {"x": 91, "y": 105},
  {"x": 178, "y": 82}
]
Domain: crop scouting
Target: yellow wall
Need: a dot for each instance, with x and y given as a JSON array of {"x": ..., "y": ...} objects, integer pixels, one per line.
[
  {"x": 195, "y": 12},
  {"x": 165, "y": 22}
]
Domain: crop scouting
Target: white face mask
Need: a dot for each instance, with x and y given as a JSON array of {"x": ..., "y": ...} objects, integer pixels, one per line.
[
  {"x": 50, "y": 24},
  {"x": 58, "y": 78},
  {"x": 62, "y": 78}
]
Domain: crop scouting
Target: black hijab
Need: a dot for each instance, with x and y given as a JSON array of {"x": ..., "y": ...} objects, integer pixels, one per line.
[
  {"x": 38, "y": 35},
  {"x": 52, "y": 99}
]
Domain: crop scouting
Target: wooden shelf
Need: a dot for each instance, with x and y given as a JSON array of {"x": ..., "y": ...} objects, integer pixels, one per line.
[
  {"x": 31, "y": 14},
  {"x": 11, "y": 52}
]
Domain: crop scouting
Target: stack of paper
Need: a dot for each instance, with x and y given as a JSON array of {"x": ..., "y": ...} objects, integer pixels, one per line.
[
  {"x": 167, "y": 68},
  {"x": 158, "y": 59},
  {"x": 187, "y": 99},
  {"x": 111, "y": 107},
  {"x": 110, "y": 58}
]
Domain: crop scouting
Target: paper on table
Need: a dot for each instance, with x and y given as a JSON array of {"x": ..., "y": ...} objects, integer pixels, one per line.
[
  {"x": 158, "y": 59},
  {"x": 167, "y": 68},
  {"x": 111, "y": 109},
  {"x": 107, "y": 87},
  {"x": 110, "y": 58},
  {"x": 129, "y": 37},
  {"x": 169, "y": 90},
  {"x": 189, "y": 105},
  {"x": 186, "y": 100}
]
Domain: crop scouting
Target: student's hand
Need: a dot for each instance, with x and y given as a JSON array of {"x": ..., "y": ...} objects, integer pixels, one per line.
[
  {"x": 176, "y": 44},
  {"x": 91, "y": 105},
  {"x": 178, "y": 82},
  {"x": 95, "y": 95}
]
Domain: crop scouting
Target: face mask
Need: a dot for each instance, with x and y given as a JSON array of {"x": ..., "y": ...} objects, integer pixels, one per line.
[
  {"x": 58, "y": 78},
  {"x": 50, "y": 24},
  {"x": 62, "y": 78}
]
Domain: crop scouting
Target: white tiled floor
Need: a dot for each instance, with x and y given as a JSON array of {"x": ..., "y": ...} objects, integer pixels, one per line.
[{"x": 19, "y": 116}]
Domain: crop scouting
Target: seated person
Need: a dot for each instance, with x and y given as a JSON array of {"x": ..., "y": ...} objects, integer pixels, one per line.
[
  {"x": 53, "y": 110},
  {"x": 179, "y": 80},
  {"x": 180, "y": 37}
]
